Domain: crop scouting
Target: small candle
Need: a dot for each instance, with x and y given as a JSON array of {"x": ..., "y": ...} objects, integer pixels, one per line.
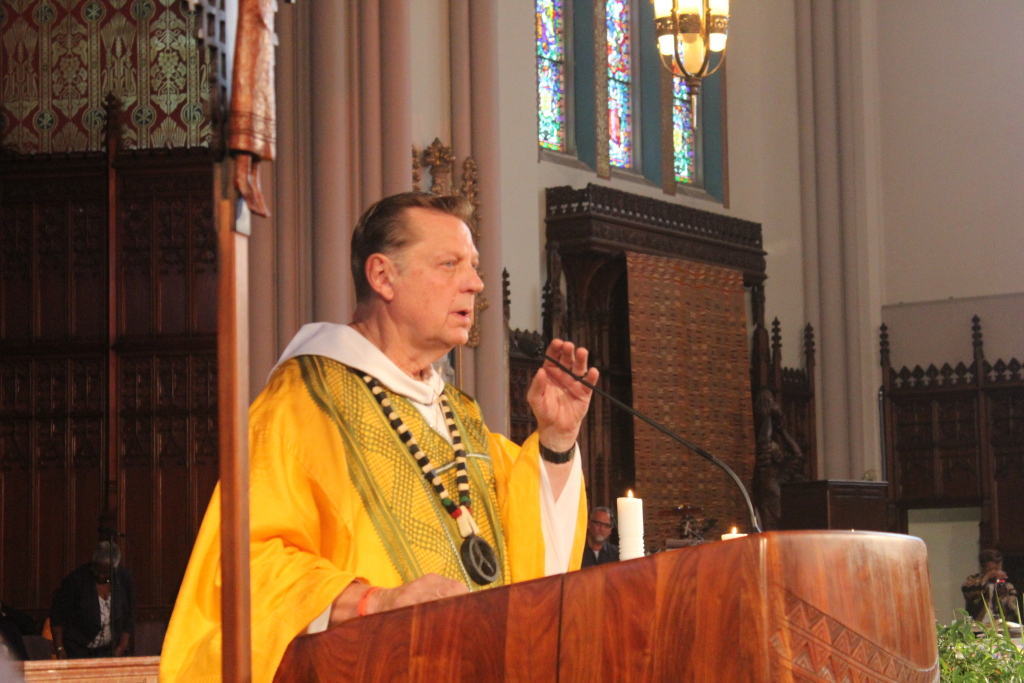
[
  {"x": 726, "y": 537},
  {"x": 631, "y": 527}
]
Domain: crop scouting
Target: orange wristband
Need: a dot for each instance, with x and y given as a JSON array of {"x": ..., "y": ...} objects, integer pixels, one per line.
[{"x": 364, "y": 601}]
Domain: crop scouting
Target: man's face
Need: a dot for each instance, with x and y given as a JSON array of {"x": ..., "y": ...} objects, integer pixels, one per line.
[
  {"x": 436, "y": 282},
  {"x": 101, "y": 572},
  {"x": 600, "y": 526},
  {"x": 992, "y": 567}
]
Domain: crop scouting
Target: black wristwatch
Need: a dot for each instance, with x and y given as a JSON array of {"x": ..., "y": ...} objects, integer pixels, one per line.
[{"x": 554, "y": 457}]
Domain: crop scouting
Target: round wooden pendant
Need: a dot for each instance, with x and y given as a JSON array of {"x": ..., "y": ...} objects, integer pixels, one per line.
[{"x": 480, "y": 560}]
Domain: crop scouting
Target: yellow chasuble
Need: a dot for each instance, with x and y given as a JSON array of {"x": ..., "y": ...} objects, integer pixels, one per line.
[{"x": 334, "y": 496}]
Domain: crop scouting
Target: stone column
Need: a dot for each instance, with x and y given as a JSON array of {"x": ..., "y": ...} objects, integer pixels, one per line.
[
  {"x": 293, "y": 172},
  {"x": 838, "y": 80},
  {"x": 492, "y": 354},
  {"x": 396, "y": 95},
  {"x": 846, "y": 103},
  {"x": 834, "y": 385},
  {"x": 860, "y": 170},
  {"x": 462, "y": 129},
  {"x": 808, "y": 195},
  {"x": 335, "y": 163},
  {"x": 372, "y": 187},
  {"x": 279, "y": 254}
]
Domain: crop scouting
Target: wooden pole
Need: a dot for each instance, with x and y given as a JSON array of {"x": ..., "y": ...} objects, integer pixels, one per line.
[
  {"x": 233, "y": 414},
  {"x": 111, "y": 514}
]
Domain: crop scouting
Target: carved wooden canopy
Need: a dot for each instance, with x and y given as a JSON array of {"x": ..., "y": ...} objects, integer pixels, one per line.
[{"x": 601, "y": 219}]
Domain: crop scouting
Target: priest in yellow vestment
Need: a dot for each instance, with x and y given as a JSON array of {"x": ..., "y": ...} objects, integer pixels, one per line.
[{"x": 368, "y": 472}]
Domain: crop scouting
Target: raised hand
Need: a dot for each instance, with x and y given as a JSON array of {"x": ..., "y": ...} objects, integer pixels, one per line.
[{"x": 558, "y": 401}]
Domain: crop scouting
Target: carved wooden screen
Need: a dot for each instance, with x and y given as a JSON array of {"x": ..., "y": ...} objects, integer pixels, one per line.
[
  {"x": 167, "y": 358},
  {"x": 53, "y": 361},
  {"x": 793, "y": 388},
  {"x": 592, "y": 233},
  {"x": 65, "y": 456},
  {"x": 955, "y": 437}
]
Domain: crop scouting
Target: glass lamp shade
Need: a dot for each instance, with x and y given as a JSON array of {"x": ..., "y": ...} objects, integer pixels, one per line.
[
  {"x": 693, "y": 52},
  {"x": 691, "y": 7},
  {"x": 718, "y": 8},
  {"x": 662, "y": 8},
  {"x": 665, "y": 44}
]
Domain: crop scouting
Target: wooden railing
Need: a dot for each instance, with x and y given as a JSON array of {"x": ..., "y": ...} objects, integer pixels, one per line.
[{"x": 119, "y": 670}]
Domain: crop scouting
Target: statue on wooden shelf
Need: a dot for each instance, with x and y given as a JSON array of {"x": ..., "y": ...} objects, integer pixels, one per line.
[
  {"x": 779, "y": 459},
  {"x": 692, "y": 527}
]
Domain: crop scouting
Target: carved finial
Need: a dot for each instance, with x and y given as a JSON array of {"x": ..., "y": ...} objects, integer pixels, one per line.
[
  {"x": 506, "y": 301},
  {"x": 469, "y": 191},
  {"x": 976, "y": 336},
  {"x": 883, "y": 344},
  {"x": 479, "y": 307},
  {"x": 417, "y": 174},
  {"x": 809, "y": 342},
  {"x": 438, "y": 156},
  {"x": 776, "y": 336}
]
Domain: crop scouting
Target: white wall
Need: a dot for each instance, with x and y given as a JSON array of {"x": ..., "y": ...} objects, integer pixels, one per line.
[
  {"x": 952, "y": 91},
  {"x": 762, "y": 148},
  {"x": 952, "y": 539},
  {"x": 764, "y": 171},
  {"x": 940, "y": 331}
]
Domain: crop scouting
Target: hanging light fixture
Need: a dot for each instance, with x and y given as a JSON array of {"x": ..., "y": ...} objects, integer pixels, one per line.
[{"x": 688, "y": 32}]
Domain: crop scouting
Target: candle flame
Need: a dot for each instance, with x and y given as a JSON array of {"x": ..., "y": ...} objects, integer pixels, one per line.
[
  {"x": 630, "y": 493},
  {"x": 734, "y": 530}
]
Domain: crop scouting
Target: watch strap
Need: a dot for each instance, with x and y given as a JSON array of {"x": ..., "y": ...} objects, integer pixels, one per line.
[{"x": 556, "y": 458}]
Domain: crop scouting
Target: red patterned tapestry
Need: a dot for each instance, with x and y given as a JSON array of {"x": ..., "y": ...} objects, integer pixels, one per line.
[
  {"x": 59, "y": 59},
  {"x": 688, "y": 339}
]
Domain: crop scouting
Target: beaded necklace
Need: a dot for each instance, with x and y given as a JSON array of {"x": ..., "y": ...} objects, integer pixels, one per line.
[{"x": 477, "y": 555}]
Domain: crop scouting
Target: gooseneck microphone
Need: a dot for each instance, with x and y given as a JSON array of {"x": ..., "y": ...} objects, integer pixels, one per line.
[{"x": 531, "y": 348}]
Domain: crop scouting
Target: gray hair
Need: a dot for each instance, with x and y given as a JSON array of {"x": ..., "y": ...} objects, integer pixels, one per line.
[
  {"x": 611, "y": 515},
  {"x": 107, "y": 553}
]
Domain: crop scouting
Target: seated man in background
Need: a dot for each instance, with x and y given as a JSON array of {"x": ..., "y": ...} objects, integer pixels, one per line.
[
  {"x": 599, "y": 528},
  {"x": 989, "y": 586},
  {"x": 375, "y": 485},
  {"x": 93, "y": 610}
]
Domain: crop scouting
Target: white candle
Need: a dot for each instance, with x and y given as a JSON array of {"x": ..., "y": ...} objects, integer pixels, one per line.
[
  {"x": 726, "y": 537},
  {"x": 631, "y": 527}
]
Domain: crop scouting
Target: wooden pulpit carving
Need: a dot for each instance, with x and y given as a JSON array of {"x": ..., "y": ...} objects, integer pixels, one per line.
[{"x": 779, "y": 607}]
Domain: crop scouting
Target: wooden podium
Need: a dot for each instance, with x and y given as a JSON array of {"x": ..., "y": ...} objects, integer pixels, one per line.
[{"x": 787, "y": 607}]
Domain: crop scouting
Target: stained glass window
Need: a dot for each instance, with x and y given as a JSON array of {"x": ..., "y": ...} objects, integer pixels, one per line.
[
  {"x": 682, "y": 131},
  {"x": 620, "y": 120},
  {"x": 551, "y": 74}
]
